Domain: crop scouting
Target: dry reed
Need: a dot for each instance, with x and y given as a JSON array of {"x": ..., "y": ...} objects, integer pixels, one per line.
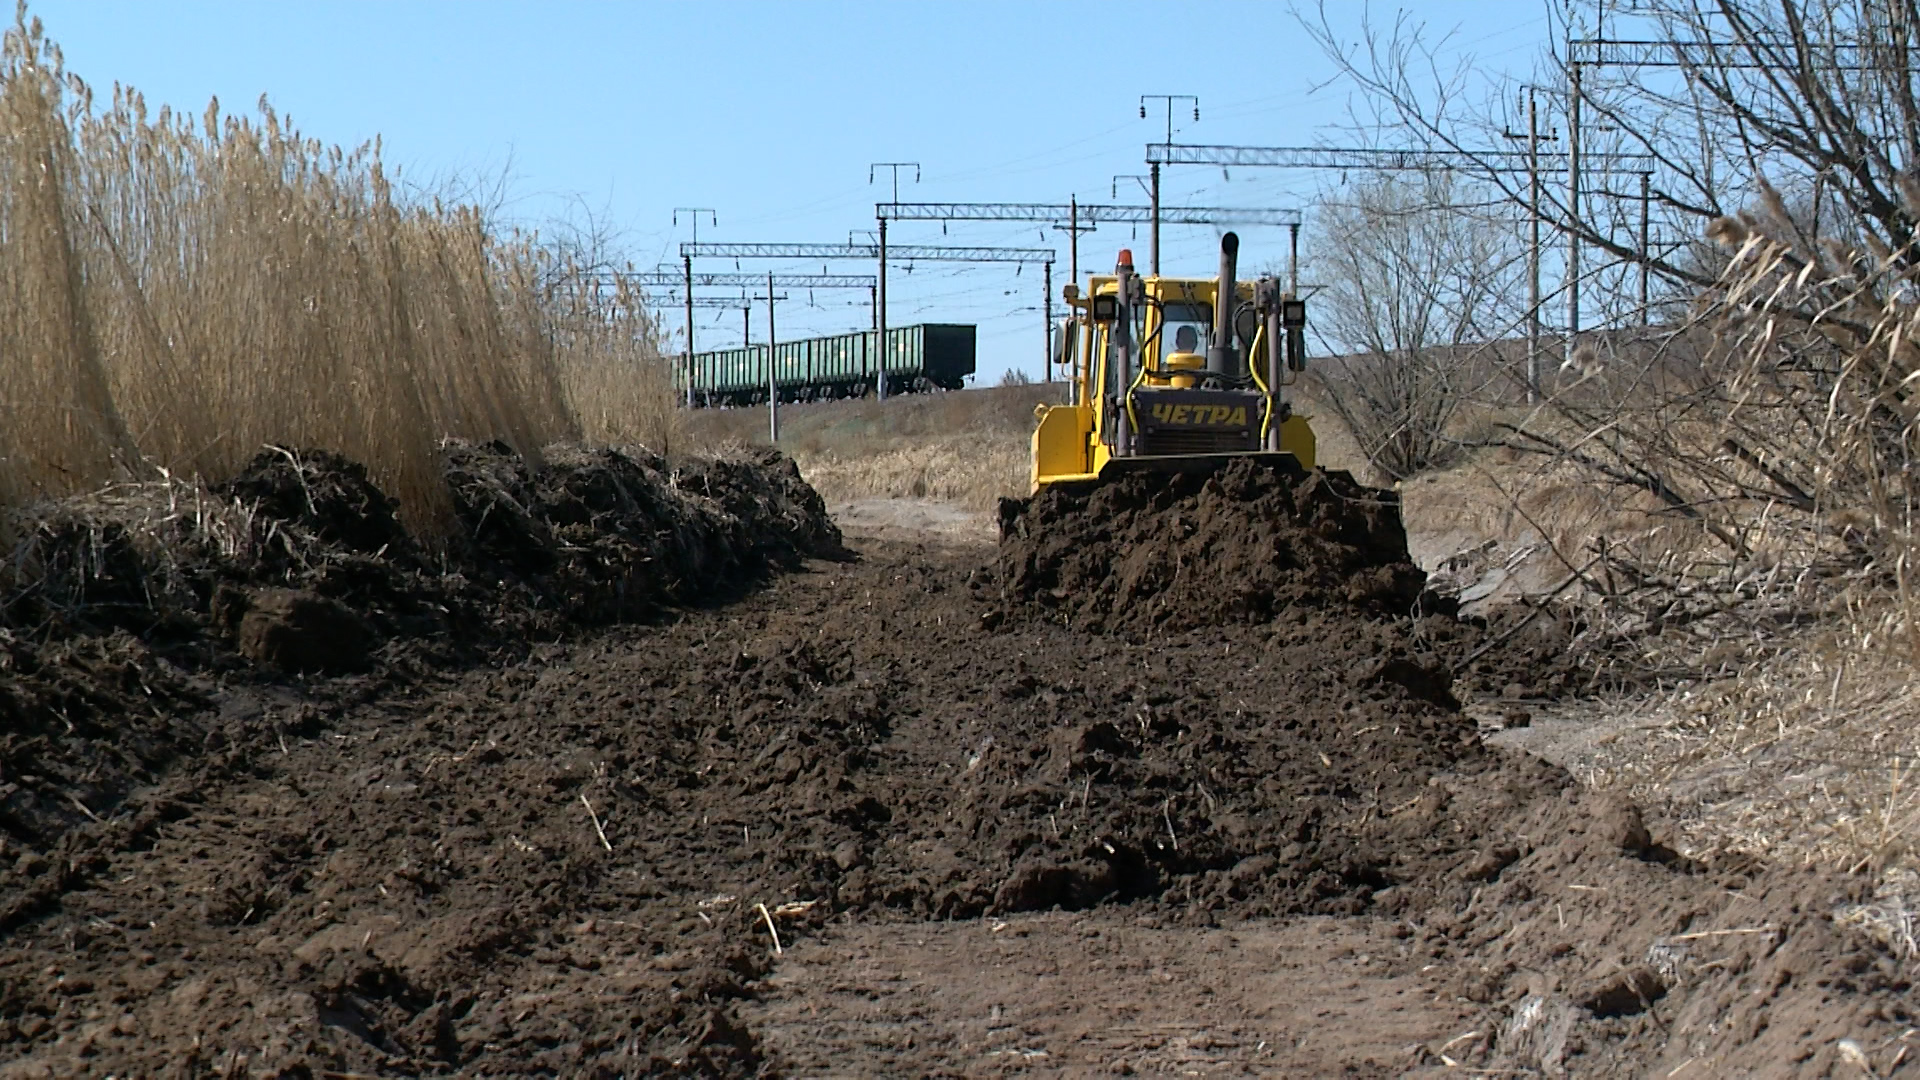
[{"x": 179, "y": 292}]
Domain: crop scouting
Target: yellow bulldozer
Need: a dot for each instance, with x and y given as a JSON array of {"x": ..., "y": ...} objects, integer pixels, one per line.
[{"x": 1167, "y": 375}]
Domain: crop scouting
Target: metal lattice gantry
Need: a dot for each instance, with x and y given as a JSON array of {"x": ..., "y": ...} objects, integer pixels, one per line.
[
  {"x": 915, "y": 252},
  {"x": 1075, "y": 216},
  {"x": 1088, "y": 213},
  {"x": 881, "y": 252},
  {"x": 724, "y": 303},
  {"x": 1362, "y": 158},
  {"x": 1596, "y": 52},
  {"x": 672, "y": 279}
]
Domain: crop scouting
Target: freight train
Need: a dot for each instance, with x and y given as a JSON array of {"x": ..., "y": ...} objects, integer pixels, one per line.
[{"x": 929, "y": 356}]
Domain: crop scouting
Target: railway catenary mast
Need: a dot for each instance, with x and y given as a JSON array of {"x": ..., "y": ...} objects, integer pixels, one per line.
[{"x": 694, "y": 212}]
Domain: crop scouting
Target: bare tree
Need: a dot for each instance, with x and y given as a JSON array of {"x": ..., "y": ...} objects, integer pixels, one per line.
[
  {"x": 1713, "y": 98},
  {"x": 1783, "y": 391},
  {"x": 1416, "y": 284}
]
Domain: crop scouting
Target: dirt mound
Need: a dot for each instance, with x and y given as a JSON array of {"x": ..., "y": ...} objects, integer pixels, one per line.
[
  {"x": 604, "y": 535},
  {"x": 120, "y": 614},
  {"x": 1153, "y": 552},
  {"x": 324, "y": 494}
]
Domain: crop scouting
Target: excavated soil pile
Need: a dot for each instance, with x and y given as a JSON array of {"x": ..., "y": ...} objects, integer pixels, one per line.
[
  {"x": 121, "y": 616},
  {"x": 1158, "y": 552}
]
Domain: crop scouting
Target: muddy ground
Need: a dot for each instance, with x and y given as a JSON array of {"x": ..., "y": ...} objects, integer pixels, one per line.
[{"x": 995, "y": 824}]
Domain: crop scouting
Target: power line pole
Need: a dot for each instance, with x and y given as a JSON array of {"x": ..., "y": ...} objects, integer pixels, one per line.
[
  {"x": 880, "y": 300},
  {"x": 694, "y": 212},
  {"x": 1293, "y": 259},
  {"x": 1154, "y": 171},
  {"x": 1146, "y": 188},
  {"x": 880, "y": 317},
  {"x": 1074, "y": 229},
  {"x": 1534, "y": 138},
  {"x": 1534, "y": 360},
  {"x": 1573, "y": 205},
  {"x": 1046, "y": 289},
  {"x": 1073, "y": 238},
  {"x": 873, "y": 293},
  {"x": 773, "y": 378}
]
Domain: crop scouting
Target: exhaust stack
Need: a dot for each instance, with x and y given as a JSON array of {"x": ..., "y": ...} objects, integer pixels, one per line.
[{"x": 1222, "y": 358}]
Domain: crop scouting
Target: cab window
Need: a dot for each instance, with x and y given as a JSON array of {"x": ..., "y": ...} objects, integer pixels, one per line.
[{"x": 1184, "y": 327}]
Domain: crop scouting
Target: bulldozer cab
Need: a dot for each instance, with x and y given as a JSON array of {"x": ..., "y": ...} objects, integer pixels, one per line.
[{"x": 1166, "y": 374}]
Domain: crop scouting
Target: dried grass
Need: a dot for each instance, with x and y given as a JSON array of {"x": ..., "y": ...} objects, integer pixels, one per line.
[
  {"x": 1805, "y": 758},
  {"x": 969, "y": 472},
  {"x": 178, "y": 292}
]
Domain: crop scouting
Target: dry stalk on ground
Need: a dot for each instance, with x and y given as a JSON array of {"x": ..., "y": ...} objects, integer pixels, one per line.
[{"x": 1805, "y": 757}]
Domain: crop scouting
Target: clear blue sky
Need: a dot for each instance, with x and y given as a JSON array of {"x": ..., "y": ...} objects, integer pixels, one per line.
[{"x": 770, "y": 113}]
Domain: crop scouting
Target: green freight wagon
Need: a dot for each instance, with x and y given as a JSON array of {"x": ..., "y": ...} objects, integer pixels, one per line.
[{"x": 928, "y": 356}]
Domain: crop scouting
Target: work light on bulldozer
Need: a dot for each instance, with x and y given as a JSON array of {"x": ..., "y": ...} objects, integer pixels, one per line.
[{"x": 1175, "y": 374}]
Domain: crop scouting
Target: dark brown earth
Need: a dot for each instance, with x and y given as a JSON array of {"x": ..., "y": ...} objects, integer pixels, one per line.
[
  {"x": 1149, "y": 555},
  {"x": 543, "y": 839}
]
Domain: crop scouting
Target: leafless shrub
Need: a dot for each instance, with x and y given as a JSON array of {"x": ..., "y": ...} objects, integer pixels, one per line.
[{"x": 1415, "y": 283}]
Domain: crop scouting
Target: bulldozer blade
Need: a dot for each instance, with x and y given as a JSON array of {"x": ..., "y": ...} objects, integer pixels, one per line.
[{"x": 1191, "y": 464}]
